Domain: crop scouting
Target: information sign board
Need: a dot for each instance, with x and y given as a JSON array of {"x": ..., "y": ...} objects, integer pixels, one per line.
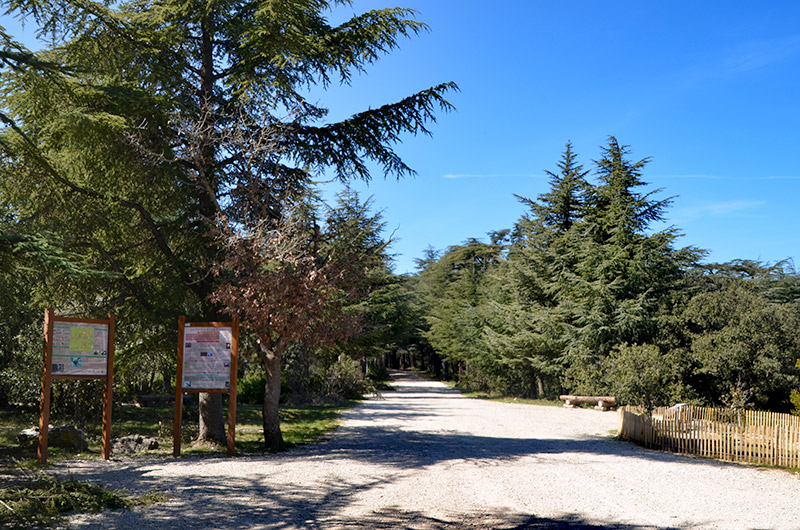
[
  {"x": 207, "y": 357},
  {"x": 80, "y": 348},
  {"x": 77, "y": 348}
]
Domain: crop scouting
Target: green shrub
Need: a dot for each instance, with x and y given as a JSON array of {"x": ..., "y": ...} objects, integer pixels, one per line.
[
  {"x": 21, "y": 365},
  {"x": 344, "y": 380},
  {"x": 250, "y": 390},
  {"x": 640, "y": 374},
  {"x": 795, "y": 398},
  {"x": 378, "y": 374}
]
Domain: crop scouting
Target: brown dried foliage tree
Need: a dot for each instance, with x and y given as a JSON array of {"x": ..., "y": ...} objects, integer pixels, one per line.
[{"x": 288, "y": 288}]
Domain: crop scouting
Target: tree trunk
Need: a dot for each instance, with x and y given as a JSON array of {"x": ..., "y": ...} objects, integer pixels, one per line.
[
  {"x": 271, "y": 362},
  {"x": 212, "y": 424},
  {"x": 166, "y": 383}
]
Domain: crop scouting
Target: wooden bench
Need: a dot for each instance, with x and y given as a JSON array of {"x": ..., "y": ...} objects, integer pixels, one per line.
[{"x": 601, "y": 402}]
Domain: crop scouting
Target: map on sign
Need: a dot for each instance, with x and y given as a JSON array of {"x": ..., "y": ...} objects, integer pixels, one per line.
[
  {"x": 81, "y": 339},
  {"x": 80, "y": 348},
  {"x": 207, "y": 358}
]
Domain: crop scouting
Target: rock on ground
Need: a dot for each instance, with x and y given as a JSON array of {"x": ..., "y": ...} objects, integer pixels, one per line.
[
  {"x": 133, "y": 443},
  {"x": 67, "y": 436}
]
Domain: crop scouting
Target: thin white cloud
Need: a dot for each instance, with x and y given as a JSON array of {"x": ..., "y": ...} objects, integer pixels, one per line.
[
  {"x": 724, "y": 177},
  {"x": 717, "y": 209},
  {"x": 740, "y": 59},
  {"x": 698, "y": 176},
  {"x": 758, "y": 54},
  {"x": 488, "y": 175},
  {"x": 726, "y": 208}
]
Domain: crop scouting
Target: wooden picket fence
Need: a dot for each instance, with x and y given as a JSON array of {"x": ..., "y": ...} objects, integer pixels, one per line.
[{"x": 756, "y": 437}]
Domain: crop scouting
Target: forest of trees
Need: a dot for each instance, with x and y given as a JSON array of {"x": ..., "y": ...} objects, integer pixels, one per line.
[
  {"x": 583, "y": 295},
  {"x": 158, "y": 159}
]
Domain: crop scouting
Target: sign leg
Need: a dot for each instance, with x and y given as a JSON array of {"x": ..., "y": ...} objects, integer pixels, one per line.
[
  {"x": 44, "y": 403},
  {"x": 176, "y": 440},
  {"x": 44, "y": 419},
  {"x": 231, "y": 422},
  {"x": 108, "y": 395},
  {"x": 232, "y": 393}
]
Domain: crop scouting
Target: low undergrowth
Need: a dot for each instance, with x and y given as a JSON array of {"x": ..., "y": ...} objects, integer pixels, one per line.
[
  {"x": 300, "y": 425},
  {"x": 32, "y": 499}
]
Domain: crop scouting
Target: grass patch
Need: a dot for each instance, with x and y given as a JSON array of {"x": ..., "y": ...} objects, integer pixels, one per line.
[
  {"x": 304, "y": 425},
  {"x": 13, "y": 419},
  {"x": 35, "y": 500},
  {"x": 506, "y": 399},
  {"x": 147, "y": 421},
  {"x": 300, "y": 425},
  {"x": 526, "y": 401}
]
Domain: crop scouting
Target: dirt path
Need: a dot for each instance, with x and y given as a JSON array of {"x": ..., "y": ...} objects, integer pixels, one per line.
[{"x": 424, "y": 457}]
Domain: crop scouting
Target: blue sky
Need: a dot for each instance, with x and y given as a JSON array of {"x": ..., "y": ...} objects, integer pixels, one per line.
[{"x": 709, "y": 90}]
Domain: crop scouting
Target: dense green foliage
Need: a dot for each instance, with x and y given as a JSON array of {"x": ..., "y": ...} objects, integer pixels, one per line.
[
  {"x": 148, "y": 138},
  {"x": 583, "y": 295}
]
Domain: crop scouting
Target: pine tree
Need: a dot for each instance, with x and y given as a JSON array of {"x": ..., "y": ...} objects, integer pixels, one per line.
[
  {"x": 528, "y": 324},
  {"x": 624, "y": 273},
  {"x": 565, "y": 204},
  {"x": 175, "y": 115},
  {"x": 454, "y": 293}
]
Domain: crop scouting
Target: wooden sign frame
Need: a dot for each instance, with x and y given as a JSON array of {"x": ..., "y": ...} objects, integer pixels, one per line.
[
  {"x": 48, "y": 377},
  {"x": 179, "y": 380}
]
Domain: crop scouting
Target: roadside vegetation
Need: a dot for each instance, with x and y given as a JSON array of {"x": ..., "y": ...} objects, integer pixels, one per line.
[
  {"x": 590, "y": 293},
  {"x": 502, "y": 398},
  {"x": 302, "y": 424},
  {"x": 34, "y": 499}
]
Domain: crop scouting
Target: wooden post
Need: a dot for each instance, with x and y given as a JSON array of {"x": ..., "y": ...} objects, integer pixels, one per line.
[
  {"x": 176, "y": 441},
  {"x": 44, "y": 403},
  {"x": 109, "y": 389},
  {"x": 232, "y": 393}
]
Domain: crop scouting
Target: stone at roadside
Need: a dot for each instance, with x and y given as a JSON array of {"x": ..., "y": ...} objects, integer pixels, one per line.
[
  {"x": 66, "y": 436},
  {"x": 133, "y": 444}
]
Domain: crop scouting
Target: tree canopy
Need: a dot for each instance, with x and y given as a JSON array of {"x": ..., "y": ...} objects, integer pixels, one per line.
[
  {"x": 584, "y": 295},
  {"x": 150, "y": 136}
]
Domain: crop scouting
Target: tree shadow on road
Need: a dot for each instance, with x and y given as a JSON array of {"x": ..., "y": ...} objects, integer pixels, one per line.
[
  {"x": 255, "y": 492},
  {"x": 405, "y": 520},
  {"x": 405, "y": 449},
  {"x": 206, "y": 495},
  {"x": 203, "y": 502}
]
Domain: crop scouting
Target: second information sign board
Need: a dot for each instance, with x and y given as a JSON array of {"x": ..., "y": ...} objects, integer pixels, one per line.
[{"x": 207, "y": 362}]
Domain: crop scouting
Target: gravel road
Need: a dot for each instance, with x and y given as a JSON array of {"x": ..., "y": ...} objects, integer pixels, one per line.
[{"x": 424, "y": 457}]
